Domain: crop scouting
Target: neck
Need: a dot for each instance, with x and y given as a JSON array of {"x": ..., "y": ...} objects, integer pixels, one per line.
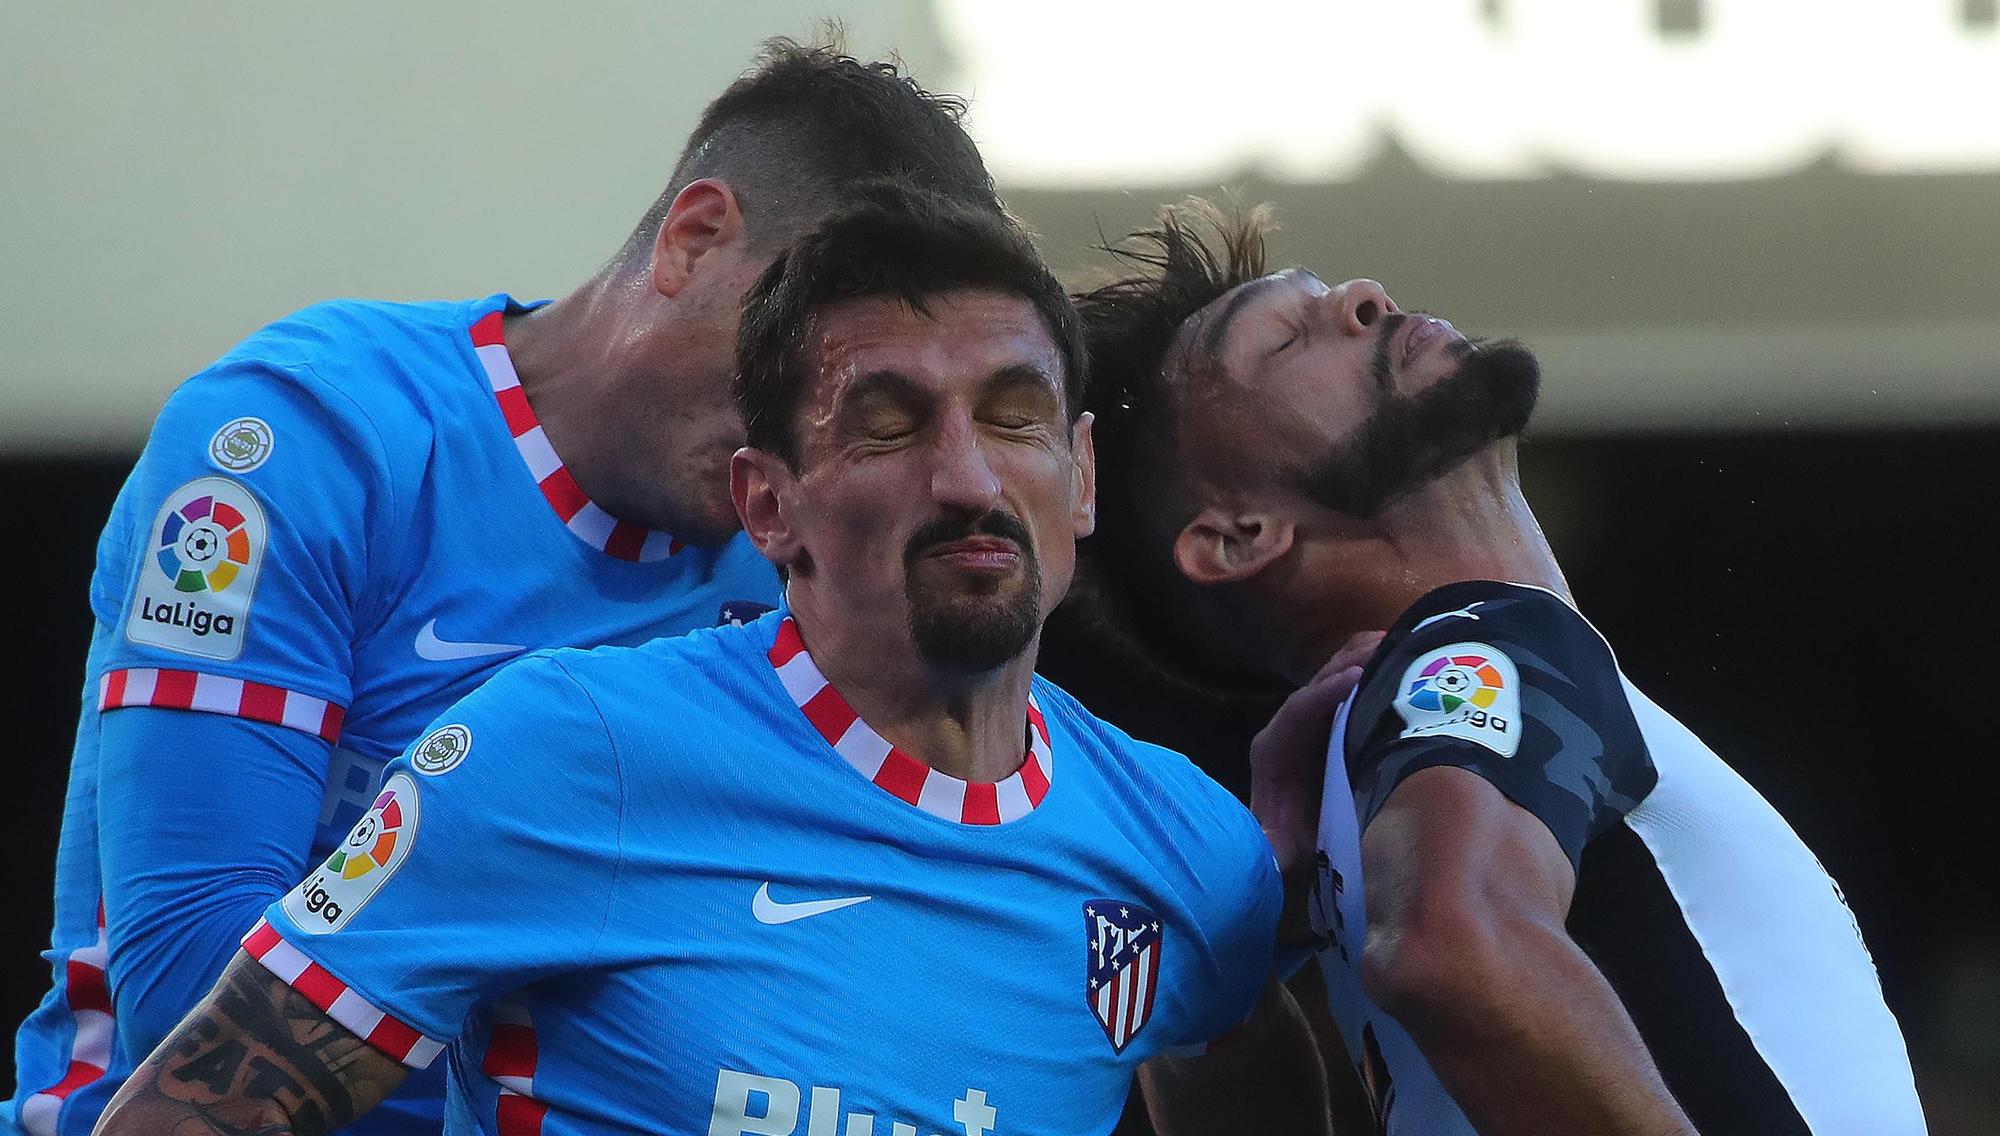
[
  {"x": 1472, "y": 523},
  {"x": 971, "y": 726},
  {"x": 575, "y": 356}
]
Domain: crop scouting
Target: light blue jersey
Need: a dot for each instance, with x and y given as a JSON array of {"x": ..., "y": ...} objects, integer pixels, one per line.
[
  {"x": 338, "y": 530},
  {"x": 682, "y": 888}
]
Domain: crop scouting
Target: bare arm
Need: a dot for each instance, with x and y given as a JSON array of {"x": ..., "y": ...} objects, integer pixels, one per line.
[
  {"x": 1265, "y": 1078},
  {"x": 253, "y": 1058},
  {"x": 1467, "y": 894}
]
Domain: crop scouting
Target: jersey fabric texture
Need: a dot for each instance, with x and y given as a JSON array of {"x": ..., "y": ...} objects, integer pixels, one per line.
[
  {"x": 682, "y": 888},
  {"x": 334, "y": 532},
  {"x": 1730, "y": 947}
]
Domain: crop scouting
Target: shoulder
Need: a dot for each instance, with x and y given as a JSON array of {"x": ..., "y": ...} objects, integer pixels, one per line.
[
  {"x": 1477, "y": 646},
  {"x": 699, "y": 675},
  {"x": 1161, "y": 784},
  {"x": 361, "y": 357},
  {"x": 1517, "y": 615},
  {"x": 346, "y": 392}
]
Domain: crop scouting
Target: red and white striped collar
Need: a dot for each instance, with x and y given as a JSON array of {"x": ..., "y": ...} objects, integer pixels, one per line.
[
  {"x": 940, "y": 794},
  {"x": 591, "y": 524}
]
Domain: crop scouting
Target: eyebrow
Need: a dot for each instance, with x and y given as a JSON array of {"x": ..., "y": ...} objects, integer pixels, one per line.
[
  {"x": 901, "y": 388},
  {"x": 1024, "y": 375},
  {"x": 1212, "y": 335}
]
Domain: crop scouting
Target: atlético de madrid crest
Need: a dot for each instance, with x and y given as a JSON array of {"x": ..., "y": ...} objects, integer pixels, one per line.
[{"x": 1122, "y": 968}]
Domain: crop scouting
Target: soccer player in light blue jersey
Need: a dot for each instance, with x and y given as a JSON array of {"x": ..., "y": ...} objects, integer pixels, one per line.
[
  {"x": 363, "y": 511},
  {"x": 850, "y": 869}
]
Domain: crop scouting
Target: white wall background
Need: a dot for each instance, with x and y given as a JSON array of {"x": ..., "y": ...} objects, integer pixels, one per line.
[{"x": 173, "y": 176}]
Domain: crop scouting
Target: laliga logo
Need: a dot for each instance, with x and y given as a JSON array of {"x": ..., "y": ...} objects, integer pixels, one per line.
[
  {"x": 203, "y": 546},
  {"x": 1454, "y": 683},
  {"x": 362, "y": 863}
]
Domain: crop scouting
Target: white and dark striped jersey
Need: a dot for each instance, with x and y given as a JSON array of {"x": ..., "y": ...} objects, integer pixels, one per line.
[{"x": 1729, "y": 945}]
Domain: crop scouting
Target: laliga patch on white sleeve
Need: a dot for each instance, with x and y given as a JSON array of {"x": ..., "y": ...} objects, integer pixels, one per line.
[
  {"x": 197, "y": 572},
  {"x": 1466, "y": 690}
]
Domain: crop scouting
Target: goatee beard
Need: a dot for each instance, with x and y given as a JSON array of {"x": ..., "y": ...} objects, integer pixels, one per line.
[{"x": 973, "y": 632}]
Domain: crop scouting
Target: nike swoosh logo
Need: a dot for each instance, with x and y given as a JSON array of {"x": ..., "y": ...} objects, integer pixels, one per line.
[
  {"x": 772, "y": 913},
  {"x": 437, "y": 650},
  {"x": 1462, "y": 613}
]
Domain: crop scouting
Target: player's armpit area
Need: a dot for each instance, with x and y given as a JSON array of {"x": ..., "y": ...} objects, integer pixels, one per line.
[{"x": 253, "y": 1058}]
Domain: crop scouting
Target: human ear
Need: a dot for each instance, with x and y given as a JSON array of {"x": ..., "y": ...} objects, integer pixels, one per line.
[
  {"x": 704, "y": 217},
  {"x": 1223, "y": 546},
  {"x": 1083, "y": 487},
  {"x": 759, "y": 482}
]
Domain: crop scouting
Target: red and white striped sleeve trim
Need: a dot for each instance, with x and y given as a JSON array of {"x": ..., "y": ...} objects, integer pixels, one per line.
[
  {"x": 937, "y": 793},
  {"x": 584, "y": 517},
  {"x": 219, "y": 694},
  {"x": 340, "y": 1002},
  {"x": 512, "y": 1052},
  {"x": 88, "y": 995}
]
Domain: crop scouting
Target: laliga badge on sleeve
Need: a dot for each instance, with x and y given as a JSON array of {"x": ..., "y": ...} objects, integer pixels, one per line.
[
  {"x": 198, "y": 570},
  {"x": 1467, "y": 690},
  {"x": 364, "y": 861}
]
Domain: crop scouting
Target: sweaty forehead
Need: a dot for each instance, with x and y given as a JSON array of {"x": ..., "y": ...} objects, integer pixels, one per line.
[
  {"x": 961, "y": 335},
  {"x": 1203, "y": 339}
]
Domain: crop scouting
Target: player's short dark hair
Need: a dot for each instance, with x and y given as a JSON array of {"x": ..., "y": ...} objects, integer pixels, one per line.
[
  {"x": 807, "y": 122},
  {"x": 889, "y": 238},
  {"x": 1141, "y": 368}
]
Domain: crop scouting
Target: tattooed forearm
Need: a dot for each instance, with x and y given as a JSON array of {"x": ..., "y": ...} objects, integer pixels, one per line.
[{"x": 255, "y": 1058}]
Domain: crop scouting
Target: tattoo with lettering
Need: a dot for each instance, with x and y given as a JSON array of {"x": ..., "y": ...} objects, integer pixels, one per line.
[{"x": 255, "y": 1058}]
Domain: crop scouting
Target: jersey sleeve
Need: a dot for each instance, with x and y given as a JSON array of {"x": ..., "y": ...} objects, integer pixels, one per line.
[
  {"x": 1513, "y": 685},
  {"x": 1235, "y": 901},
  {"x": 234, "y": 571},
  {"x": 487, "y": 862},
  {"x": 183, "y": 873}
]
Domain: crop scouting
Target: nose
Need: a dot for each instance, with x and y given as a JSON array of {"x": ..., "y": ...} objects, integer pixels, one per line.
[
  {"x": 1359, "y": 306},
  {"x": 962, "y": 478}
]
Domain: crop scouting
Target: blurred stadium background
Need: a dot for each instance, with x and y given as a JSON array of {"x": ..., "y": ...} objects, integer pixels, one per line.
[{"x": 1757, "y": 243}]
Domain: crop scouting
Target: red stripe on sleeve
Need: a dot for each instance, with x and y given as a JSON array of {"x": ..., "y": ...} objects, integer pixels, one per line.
[
  {"x": 393, "y": 1037},
  {"x": 87, "y": 990},
  {"x": 517, "y": 1115},
  {"x": 329, "y": 722},
  {"x": 625, "y": 541},
  {"x": 114, "y": 689},
  {"x": 1034, "y": 780},
  {"x": 261, "y": 939},
  {"x": 319, "y": 987},
  {"x": 81, "y": 1073},
  {"x": 564, "y": 494},
  {"x": 511, "y": 1052},
  {"x": 902, "y": 775},
  {"x": 261, "y": 703},
  {"x": 489, "y": 330},
  {"x": 982, "y": 803},
  {"x": 514, "y": 407},
  {"x": 174, "y": 689},
  {"x": 829, "y": 713}
]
